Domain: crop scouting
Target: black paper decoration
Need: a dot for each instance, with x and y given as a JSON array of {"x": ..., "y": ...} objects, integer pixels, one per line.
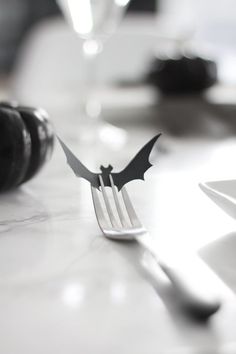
[{"x": 134, "y": 170}]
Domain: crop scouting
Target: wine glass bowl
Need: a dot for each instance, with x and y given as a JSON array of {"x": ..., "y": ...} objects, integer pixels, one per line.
[{"x": 94, "y": 21}]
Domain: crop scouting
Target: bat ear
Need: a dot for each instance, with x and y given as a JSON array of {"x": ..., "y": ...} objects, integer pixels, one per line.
[{"x": 107, "y": 169}]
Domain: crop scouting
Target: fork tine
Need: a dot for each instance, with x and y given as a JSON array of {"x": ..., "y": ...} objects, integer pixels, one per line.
[
  {"x": 102, "y": 221},
  {"x": 107, "y": 203},
  {"x": 130, "y": 209},
  {"x": 117, "y": 203}
]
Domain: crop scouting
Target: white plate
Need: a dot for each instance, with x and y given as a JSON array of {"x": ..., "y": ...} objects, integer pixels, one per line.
[{"x": 223, "y": 193}]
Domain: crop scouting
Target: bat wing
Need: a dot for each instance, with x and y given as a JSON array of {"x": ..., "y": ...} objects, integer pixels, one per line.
[
  {"x": 137, "y": 166},
  {"x": 79, "y": 169}
]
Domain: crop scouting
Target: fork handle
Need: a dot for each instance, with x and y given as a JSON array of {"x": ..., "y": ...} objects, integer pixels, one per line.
[{"x": 195, "y": 283}]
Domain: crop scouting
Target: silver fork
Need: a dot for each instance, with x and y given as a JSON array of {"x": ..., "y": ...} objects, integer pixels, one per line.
[{"x": 192, "y": 279}]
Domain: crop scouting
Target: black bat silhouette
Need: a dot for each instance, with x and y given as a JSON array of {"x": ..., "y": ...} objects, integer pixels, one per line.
[{"x": 134, "y": 170}]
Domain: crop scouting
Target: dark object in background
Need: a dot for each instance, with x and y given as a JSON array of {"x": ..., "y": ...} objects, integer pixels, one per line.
[
  {"x": 182, "y": 75},
  {"x": 142, "y": 6},
  {"x": 26, "y": 143},
  {"x": 17, "y": 17}
]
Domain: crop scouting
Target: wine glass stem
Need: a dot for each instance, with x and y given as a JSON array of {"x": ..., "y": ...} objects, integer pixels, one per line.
[{"x": 92, "y": 104}]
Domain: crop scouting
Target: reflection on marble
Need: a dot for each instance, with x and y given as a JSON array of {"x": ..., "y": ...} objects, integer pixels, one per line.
[
  {"x": 73, "y": 295},
  {"x": 118, "y": 292}
]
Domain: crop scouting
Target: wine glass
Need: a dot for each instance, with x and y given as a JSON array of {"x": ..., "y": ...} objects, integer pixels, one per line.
[{"x": 94, "y": 21}]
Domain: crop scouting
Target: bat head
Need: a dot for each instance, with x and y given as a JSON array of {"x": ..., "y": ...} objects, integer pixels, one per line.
[{"x": 106, "y": 170}]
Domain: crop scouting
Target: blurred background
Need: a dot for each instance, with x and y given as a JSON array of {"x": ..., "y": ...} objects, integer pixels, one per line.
[
  {"x": 205, "y": 20},
  {"x": 18, "y": 17},
  {"x": 41, "y": 62}
]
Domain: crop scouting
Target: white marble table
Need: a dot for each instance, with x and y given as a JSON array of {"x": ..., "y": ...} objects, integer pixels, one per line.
[{"x": 64, "y": 288}]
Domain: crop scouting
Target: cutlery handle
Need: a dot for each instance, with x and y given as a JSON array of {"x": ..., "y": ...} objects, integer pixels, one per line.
[{"x": 195, "y": 283}]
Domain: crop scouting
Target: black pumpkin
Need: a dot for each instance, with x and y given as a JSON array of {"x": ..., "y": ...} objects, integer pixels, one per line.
[
  {"x": 183, "y": 74},
  {"x": 26, "y": 142}
]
